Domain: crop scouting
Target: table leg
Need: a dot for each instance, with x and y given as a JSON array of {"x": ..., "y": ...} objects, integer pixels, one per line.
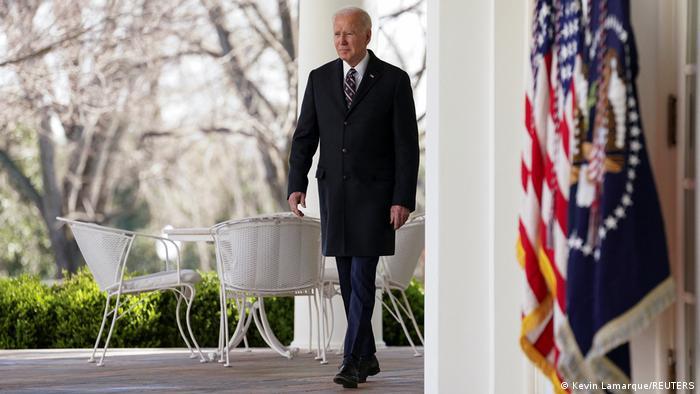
[{"x": 266, "y": 332}]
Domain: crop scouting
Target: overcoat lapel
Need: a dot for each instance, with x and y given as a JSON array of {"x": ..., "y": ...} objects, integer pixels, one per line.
[
  {"x": 338, "y": 82},
  {"x": 372, "y": 74}
]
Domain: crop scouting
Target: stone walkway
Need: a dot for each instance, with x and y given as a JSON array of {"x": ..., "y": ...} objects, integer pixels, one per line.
[{"x": 170, "y": 370}]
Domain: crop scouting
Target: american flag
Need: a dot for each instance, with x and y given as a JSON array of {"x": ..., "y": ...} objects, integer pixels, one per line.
[{"x": 551, "y": 113}]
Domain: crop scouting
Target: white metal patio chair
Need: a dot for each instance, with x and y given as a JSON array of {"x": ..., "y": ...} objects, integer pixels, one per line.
[
  {"x": 393, "y": 273},
  {"x": 397, "y": 271},
  {"x": 106, "y": 251},
  {"x": 273, "y": 255}
]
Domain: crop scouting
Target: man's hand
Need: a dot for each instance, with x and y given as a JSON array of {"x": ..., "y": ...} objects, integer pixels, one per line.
[
  {"x": 398, "y": 216},
  {"x": 294, "y": 200}
]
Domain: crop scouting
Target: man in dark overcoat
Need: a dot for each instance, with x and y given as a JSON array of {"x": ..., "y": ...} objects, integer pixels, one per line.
[{"x": 361, "y": 110}]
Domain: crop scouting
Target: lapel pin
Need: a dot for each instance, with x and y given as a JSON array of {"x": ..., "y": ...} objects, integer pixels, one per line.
[{"x": 371, "y": 75}]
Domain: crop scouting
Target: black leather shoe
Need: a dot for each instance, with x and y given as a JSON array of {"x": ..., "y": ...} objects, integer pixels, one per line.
[
  {"x": 347, "y": 376},
  {"x": 368, "y": 367}
]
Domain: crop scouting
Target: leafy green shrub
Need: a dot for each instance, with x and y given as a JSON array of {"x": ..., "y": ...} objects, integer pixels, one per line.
[
  {"x": 25, "y": 313},
  {"x": 77, "y": 307},
  {"x": 35, "y": 315}
]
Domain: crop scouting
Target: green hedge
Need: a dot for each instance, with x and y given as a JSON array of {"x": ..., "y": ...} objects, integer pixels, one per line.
[
  {"x": 393, "y": 333},
  {"x": 35, "y": 315}
]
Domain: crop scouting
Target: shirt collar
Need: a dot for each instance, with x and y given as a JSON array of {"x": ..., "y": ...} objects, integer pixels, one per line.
[{"x": 360, "y": 68}]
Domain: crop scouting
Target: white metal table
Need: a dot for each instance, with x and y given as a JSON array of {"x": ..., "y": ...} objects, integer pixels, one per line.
[
  {"x": 204, "y": 234},
  {"x": 190, "y": 234}
]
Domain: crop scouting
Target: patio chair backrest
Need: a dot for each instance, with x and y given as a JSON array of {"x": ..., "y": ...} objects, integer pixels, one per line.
[
  {"x": 269, "y": 254},
  {"x": 410, "y": 241},
  {"x": 103, "y": 249}
]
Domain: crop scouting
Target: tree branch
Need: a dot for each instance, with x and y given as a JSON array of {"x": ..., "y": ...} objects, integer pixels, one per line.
[
  {"x": 104, "y": 156},
  {"x": 226, "y": 130},
  {"x": 204, "y": 130},
  {"x": 403, "y": 10},
  {"x": 245, "y": 87},
  {"x": 253, "y": 59},
  {"x": 287, "y": 29},
  {"x": 268, "y": 35},
  {"x": 394, "y": 47},
  {"x": 20, "y": 182},
  {"x": 47, "y": 48}
]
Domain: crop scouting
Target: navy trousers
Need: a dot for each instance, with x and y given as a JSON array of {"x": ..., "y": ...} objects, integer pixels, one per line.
[{"x": 357, "y": 275}]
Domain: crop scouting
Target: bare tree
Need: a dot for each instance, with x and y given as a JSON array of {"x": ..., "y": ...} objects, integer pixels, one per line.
[
  {"x": 271, "y": 125},
  {"x": 74, "y": 82}
]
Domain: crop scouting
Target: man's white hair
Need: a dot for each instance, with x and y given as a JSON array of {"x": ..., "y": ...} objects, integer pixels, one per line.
[{"x": 365, "y": 20}]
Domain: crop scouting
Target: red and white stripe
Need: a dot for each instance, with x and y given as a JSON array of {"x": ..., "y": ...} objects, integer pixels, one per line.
[{"x": 543, "y": 246}]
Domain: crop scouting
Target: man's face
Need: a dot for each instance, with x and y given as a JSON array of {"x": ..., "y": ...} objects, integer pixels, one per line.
[{"x": 350, "y": 38}]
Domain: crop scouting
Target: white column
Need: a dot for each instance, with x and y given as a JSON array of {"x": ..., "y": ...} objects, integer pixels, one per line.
[
  {"x": 475, "y": 114},
  {"x": 315, "y": 49},
  {"x": 459, "y": 198},
  {"x": 511, "y": 32}
]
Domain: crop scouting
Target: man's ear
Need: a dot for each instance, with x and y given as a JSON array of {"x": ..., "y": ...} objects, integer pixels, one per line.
[{"x": 369, "y": 35}]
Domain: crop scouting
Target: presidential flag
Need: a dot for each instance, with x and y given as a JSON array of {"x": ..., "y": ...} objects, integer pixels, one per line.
[{"x": 618, "y": 276}]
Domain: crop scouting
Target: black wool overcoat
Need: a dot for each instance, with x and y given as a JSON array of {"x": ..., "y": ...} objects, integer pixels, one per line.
[{"x": 369, "y": 155}]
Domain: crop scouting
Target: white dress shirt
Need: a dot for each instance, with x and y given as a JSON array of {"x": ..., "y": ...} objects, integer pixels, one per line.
[{"x": 360, "y": 68}]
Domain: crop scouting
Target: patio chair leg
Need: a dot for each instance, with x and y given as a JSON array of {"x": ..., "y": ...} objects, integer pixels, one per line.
[
  {"x": 310, "y": 331},
  {"x": 222, "y": 308},
  {"x": 318, "y": 298},
  {"x": 225, "y": 320},
  {"x": 318, "y": 329},
  {"x": 179, "y": 324},
  {"x": 324, "y": 312},
  {"x": 331, "y": 330},
  {"x": 111, "y": 329},
  {"x": 400, "y": 320},
  {"x": 413, "y": 319},
  {"x": 220, "y": 349},
  {"x": 242, "y": 325},
  {"x": 102, "y": 327},
  {"x": 222, "y": 318},
  {"x": 323, "y": 323},
  {"x": 189, "y": 325}
]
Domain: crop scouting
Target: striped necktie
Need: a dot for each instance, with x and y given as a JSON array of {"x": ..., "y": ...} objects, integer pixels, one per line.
[{"x": 350, "y": 86}]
